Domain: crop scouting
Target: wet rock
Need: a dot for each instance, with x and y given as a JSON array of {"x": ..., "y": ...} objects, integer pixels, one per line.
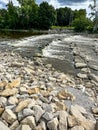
[
  {"x": 29, "y": 121},
  {"x": 23, "y": 104},
  {"x": 63, "y": 116},
  {"x": 53, "y": 124},
  {"x": 9, "y": 116},
  {"x": 3, "y": 126}
]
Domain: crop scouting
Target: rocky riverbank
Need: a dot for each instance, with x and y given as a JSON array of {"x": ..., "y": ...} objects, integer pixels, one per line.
[{"x": 34, "y": 96}]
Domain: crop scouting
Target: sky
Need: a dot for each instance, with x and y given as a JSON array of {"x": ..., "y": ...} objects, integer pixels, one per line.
[{"x": 74, "y": 4}]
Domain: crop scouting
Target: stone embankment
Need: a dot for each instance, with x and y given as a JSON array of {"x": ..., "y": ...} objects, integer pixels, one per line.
[{"x": 34, "y": 96}]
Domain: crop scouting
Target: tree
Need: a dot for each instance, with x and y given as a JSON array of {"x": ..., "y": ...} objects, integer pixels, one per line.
[
  {"x": 47, "y": 15},
  {"x": 64, "y": 16}
]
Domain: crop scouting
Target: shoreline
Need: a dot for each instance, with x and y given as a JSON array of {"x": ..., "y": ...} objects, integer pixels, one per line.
[{"x": 36, "y": 96}]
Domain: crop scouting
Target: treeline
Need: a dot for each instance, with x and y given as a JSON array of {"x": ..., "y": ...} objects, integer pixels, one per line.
[{"x": 29, "y": 15}]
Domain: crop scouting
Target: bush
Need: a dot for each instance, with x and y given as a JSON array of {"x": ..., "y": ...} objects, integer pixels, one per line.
[{"x": 81, "y": 24}]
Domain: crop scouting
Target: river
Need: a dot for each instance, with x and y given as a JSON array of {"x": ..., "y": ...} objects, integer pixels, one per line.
[{"x": 60, "y": 50}]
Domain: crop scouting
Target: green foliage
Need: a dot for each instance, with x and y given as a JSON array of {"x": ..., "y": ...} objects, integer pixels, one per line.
[
  {"x": 81, "y": 24},
  {"x": 47, "y": 15},
  {"x": 64, "y": 16}
]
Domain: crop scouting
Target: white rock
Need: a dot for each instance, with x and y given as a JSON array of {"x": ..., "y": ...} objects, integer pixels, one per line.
[
  {"x": 3, "y": 126},
  {"x": 25, "y": 127},
  {"x": 9, "y": 116},
  {"x": 29, "y": 121},
  {"x": 53, "y": 124},
  {"x": 77, "y": 128}
]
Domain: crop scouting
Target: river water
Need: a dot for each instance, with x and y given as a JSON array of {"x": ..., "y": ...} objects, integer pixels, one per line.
[{"x": 57, "y": 49}]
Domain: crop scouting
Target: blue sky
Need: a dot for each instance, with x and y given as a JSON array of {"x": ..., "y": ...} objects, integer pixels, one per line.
[{"x": 74, "y": 4}]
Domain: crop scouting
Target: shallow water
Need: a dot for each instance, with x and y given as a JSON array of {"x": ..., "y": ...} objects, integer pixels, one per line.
[{"x": 57, "y": 49}]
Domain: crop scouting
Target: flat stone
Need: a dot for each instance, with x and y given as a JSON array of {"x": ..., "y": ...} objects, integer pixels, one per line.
[
  {"x": 29, "y": 121},
  {"x": 9, "y": 116},
  {"x": 23, "y": 104},
  {"x": 63, "y": 116},
  {"x": 80, "y": 65},
  {"x": 3, "y": 126},
  {"x": 53, "y": 124}
]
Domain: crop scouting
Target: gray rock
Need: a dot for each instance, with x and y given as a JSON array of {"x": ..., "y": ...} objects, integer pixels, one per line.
[
  {"x": 3, "y": 126},
  {"x": 83, "y": 76},
  {"x": 38, "y": 112},
  {"x": 28, "y": 112},
  {"x": 47, "y": 116},
  {"x": 3, "y": 101},
  {"x": 53, "y": 124}
]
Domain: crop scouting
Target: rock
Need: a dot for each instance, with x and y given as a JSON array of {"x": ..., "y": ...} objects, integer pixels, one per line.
[
  {"x": 61, "y": 106},
  {"x": 9, "y": 92},
  {"x": 3, "y": 101},
  {"x": 33, "y": 90},
  {"x": 63, "y": 95},
  {"x": 20, "y": 115},
  {"x": 83, "y": 118},
  {"x": 93, "y": 77},
  {"x": 17, "y": 64},
  {"x": 77, "y": 128},
  {"x": 9, "y": 116},
  {"x": 23, "y": 104},
  {"x": 94, "y": 67},
  {"x": 28, "y": 112},
  {"x": 80, "y": 65},
  {"x": 14, "y": 125},
  {"x": 63, "y": 120},
  {"x": 3, "y": 126},
  {"x": 25, "y": 127},
  {"x": 1, "y": 110},
  {"x": 12, "y": 100},
  {"x": 86, "y": 70},
  {"x": 47, "y": 116},
  {"x": 95, "y": 110},
  {"x": 3, "y": 84},
  {"x": 29, "y": 121},
  {"x": 29, "y": 70},
  {"x": 72, "y": 121},
  {"x": 53, "y": 124},
  {"x": 38, "y": 112},
  {"x": 23, "y": 90},
  {"x": 14, "y": 83},
  {"x": 82, "y": 76}
]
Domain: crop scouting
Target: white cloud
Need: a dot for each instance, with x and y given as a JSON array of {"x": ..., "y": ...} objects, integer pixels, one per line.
[{"x": 55, "y": 3}]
